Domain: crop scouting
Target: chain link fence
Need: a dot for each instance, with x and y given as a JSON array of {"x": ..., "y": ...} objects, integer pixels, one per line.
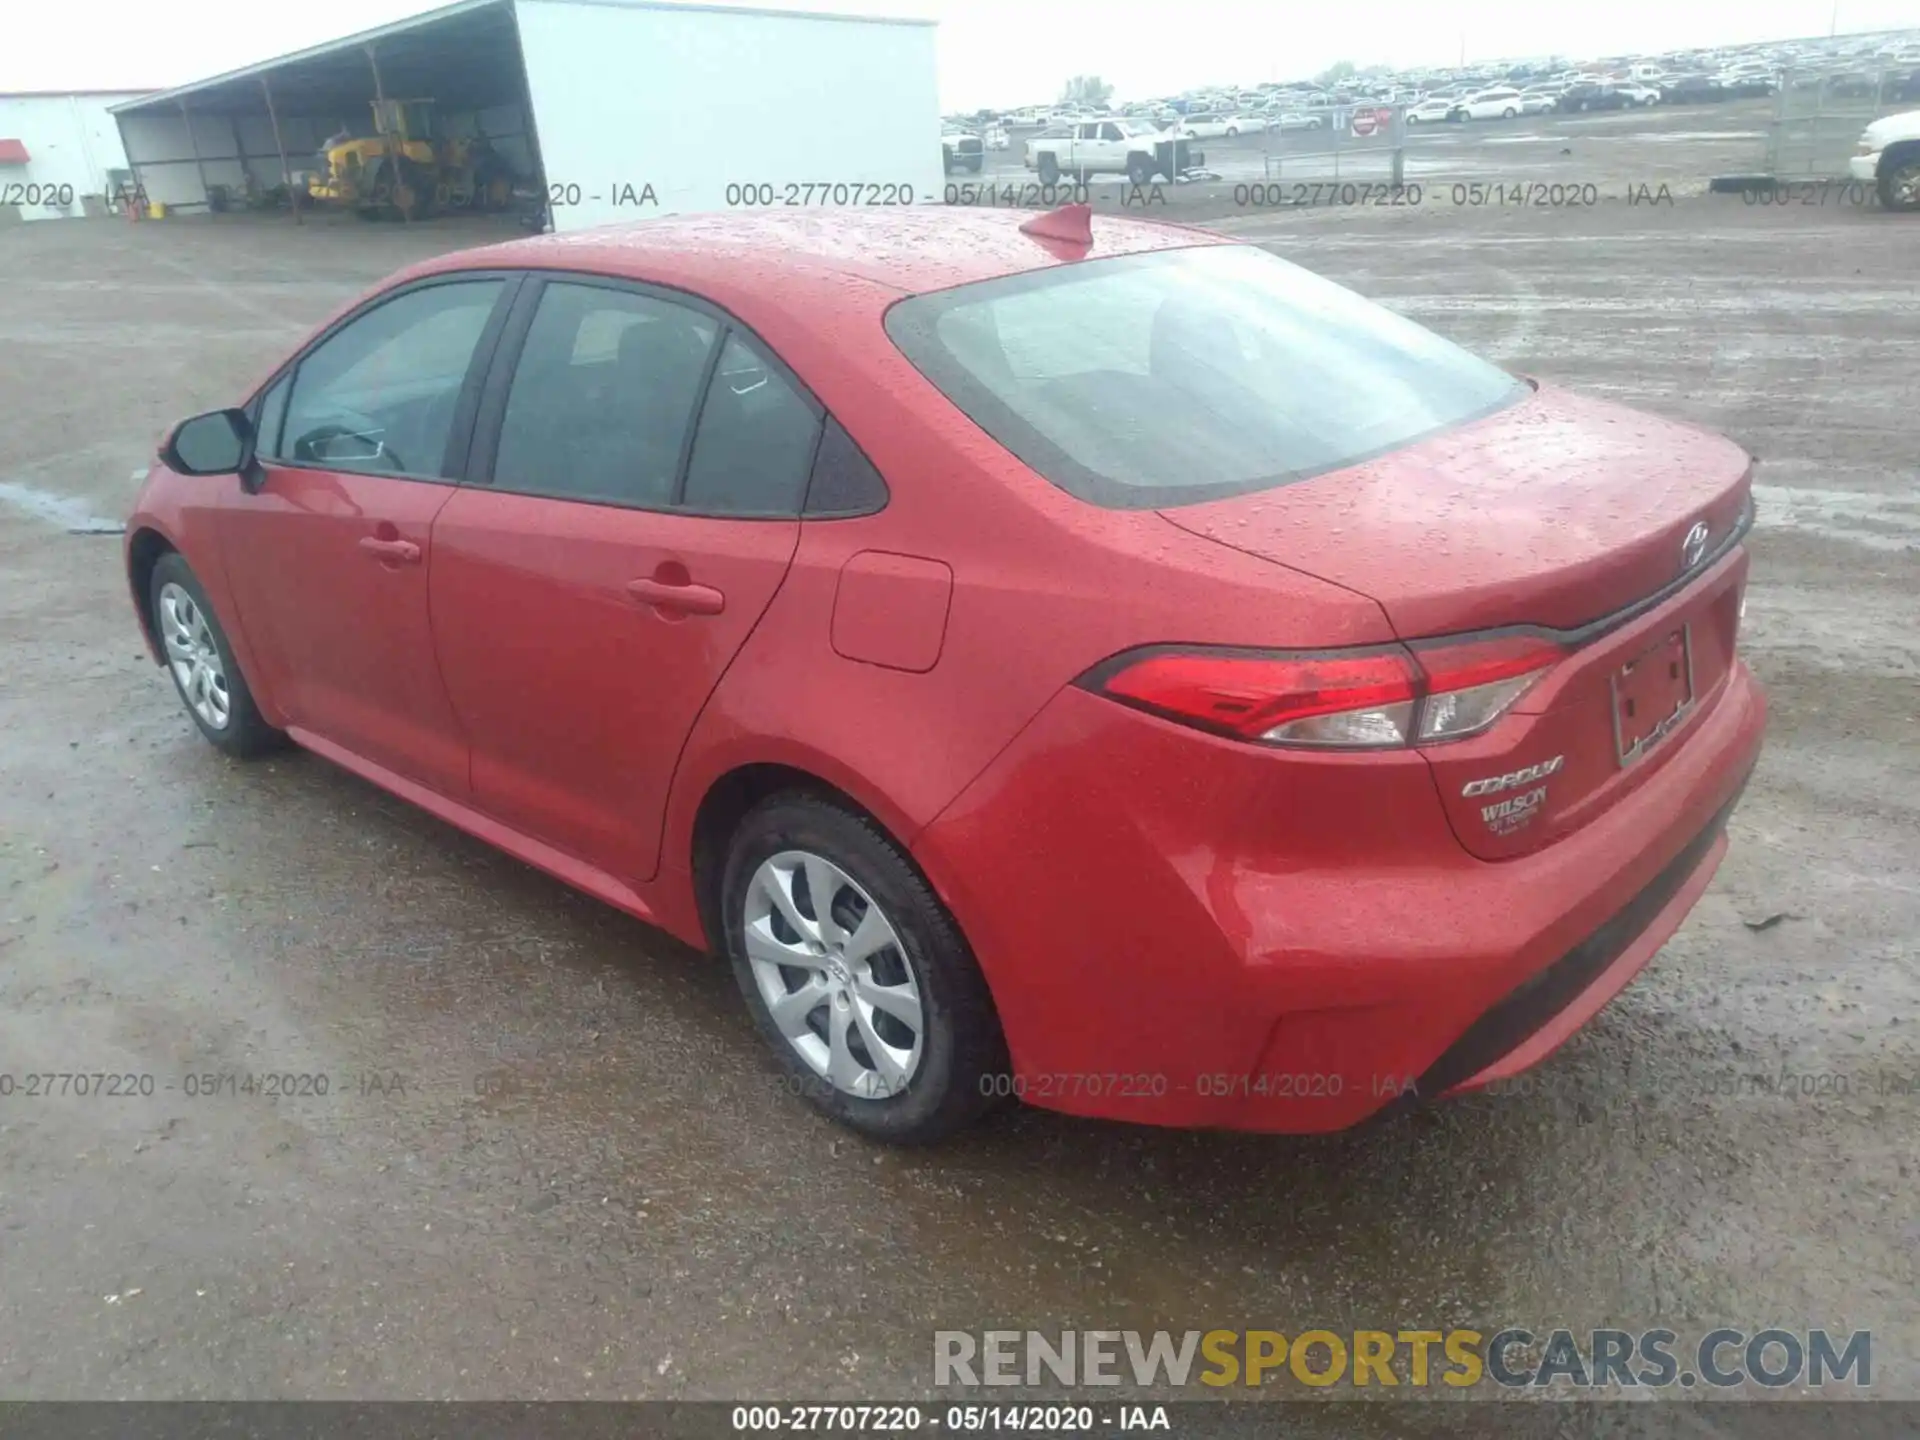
[
  {"x": 1818, "y": 114},
  {"x": 1361, "y": 141}
]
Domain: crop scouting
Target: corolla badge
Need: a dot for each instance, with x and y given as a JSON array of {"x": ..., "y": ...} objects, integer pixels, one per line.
[{"x": 1693, "y": 549}]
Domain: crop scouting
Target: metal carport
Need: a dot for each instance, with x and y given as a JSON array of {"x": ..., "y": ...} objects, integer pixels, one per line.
[
  {"x": 266, "y": 123},
  {"x": 644, "y": 107}
]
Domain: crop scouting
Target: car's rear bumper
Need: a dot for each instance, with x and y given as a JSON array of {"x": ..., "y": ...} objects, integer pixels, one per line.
[
  {"x": 1187, "y": 931},
  {"x": 1865, "y": 167}
]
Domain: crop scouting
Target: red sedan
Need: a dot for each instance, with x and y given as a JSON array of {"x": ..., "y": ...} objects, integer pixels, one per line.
[{"x": 1085, "y": 660}]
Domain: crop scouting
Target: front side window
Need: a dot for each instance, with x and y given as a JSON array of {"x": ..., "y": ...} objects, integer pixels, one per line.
[
  {"x": 1188, "y": 375},
  {"x": 378, "y": 395},
  {"x": 602, "y": 396}
]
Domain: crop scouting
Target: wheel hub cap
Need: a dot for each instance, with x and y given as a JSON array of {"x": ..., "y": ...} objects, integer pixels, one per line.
[
  {"x": 193, "y": 657},
  {"x": 834, "y": 976}
]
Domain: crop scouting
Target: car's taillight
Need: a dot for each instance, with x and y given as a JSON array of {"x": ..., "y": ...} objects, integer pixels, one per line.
[
  {"x": 1472, "y": 683},
  {"x": 1360, "y": 699}
]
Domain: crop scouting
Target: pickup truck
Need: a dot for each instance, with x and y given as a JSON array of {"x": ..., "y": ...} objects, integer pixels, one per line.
[
  {"x": 1110, "y": 147},
  {"x": 962, "y": 150},
  {"x": 1889, "y": 159}
]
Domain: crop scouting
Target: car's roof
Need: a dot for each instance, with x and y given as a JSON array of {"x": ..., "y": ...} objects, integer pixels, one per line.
[{"x": 793, "y": 255}]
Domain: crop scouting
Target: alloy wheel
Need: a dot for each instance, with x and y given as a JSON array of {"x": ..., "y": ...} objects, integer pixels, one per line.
[
  {"x": 833, "y": 973},
  {"x": 194, "y": 657}
]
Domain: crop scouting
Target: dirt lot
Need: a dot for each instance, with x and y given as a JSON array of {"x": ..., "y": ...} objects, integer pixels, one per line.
[{"x": 552, "y": 1162}]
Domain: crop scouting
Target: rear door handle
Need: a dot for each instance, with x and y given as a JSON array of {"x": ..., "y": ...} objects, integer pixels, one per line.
[
  {"x": 402, "y": 552},
  {"x": 688, "y": 599}
]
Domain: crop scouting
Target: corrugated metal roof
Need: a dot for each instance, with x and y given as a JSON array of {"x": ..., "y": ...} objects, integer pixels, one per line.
[
  {"x": 313, "y": 52},
  {"x": 429, "y": 18}
]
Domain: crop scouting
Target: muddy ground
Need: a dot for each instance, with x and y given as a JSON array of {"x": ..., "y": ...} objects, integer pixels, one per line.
[{"x": 553, "y": 1161}]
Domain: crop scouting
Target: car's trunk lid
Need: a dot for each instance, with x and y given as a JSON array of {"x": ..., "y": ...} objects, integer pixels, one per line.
[
  {"x": 1563, "y": 513},
  {"x": 1554, "y": 511}
]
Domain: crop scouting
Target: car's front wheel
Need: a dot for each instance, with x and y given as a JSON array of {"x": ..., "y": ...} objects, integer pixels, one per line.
[
  {"x": 201, "y": 663},
  {"x": 1899, "y": 181},
  {"x": 856, "y": 974}
]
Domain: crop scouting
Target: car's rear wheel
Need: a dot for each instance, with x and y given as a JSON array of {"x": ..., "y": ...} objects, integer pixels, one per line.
[
  {"x": 1139, "y": 170},
  {"x": 1508, "y": 113},
  {"x": 856, "y": 974},
  {"x": 201, "y": 663},
  {"x": 1899, "y": 181},
  {"x": 1049, "y": 170}
]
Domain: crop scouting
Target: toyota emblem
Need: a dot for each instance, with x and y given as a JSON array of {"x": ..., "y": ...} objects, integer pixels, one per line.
[{"x": 1694, "y": 548}]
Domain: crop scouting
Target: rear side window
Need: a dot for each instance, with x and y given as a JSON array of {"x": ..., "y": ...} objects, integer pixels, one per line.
[
  {"x": 1189, "y": 375},
  {"x": 755, "y": 441},
  {"x": 602, "y": 396}
]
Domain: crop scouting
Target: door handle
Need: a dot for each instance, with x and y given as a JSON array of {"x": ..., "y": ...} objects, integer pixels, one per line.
[
  {"x": 400, "y": 552},
  {"x": 687, "y": 598}
]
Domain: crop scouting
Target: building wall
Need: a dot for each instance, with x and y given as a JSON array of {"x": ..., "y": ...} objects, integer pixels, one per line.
[
  {"x": 708, "y": 110},
  {"x": 71, "y": 143}
]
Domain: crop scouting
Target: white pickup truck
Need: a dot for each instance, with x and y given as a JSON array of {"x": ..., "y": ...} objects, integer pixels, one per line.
[
  {"x": 1110, "y": 147},
  {"x": 1889, "y": 158}
]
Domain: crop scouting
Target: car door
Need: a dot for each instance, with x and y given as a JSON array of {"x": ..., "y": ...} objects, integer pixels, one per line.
[
  {"x": 330, "y": 550},
  {"x": 633, "y": 504}
]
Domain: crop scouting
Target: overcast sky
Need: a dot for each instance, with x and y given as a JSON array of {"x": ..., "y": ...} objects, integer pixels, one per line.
[{"x": 996, "y": 53}]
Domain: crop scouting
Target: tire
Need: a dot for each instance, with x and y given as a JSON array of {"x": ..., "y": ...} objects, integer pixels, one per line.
[
  {"x": 1233, "y": 132},
  {"x": 1508, "y": 113},
  {"x": 1899, "y": 183},
  {"x": 1139, "y": 170},
  {"x": 192, "y": 637},
  {"x": 1049, "y": 168},
  {"x": 957, "y": 1049},
  {"x": 975, "y": 164}
]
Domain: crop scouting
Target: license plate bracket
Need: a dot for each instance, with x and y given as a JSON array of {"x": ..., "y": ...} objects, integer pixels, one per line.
[{"x": 1652, "y": 694}]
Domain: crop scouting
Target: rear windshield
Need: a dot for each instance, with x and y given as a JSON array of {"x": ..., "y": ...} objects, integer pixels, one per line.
[{"x": 1189, "y": 375}]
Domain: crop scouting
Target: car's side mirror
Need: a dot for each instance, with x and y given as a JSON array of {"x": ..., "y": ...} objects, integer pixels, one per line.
[{"x": 217, "y": 443}]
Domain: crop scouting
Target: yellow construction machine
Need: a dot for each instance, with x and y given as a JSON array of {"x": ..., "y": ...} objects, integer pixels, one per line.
[{"x": 409, "y": 170}]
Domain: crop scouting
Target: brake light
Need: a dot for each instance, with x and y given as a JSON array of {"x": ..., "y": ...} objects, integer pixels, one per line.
[{"x": 1367, "y": 699}]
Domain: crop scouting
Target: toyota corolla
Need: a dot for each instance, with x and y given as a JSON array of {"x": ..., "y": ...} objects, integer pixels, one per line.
[{"x": 1079, "y": 659}]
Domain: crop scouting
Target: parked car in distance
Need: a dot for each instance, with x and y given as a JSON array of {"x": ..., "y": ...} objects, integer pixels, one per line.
[
  {"x": 1888, "y": 158},
  {"x": 1692, "y": 90},
  {"x": 1539, "y": 102},
  {"x": 1283, "y": 120},
  {"x": 1594, "y": 97},
  {"x": 1637, "y": 94},
  {"x": 1211, "y": 125},
  {"x": 803, "y": 597},
  {"x": 1500, "y": 103},
  {"x": 1434, "y": 111}
]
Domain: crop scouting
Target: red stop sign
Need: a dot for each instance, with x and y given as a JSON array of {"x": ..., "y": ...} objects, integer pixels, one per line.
[{"x": 1364, "y": 122}]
